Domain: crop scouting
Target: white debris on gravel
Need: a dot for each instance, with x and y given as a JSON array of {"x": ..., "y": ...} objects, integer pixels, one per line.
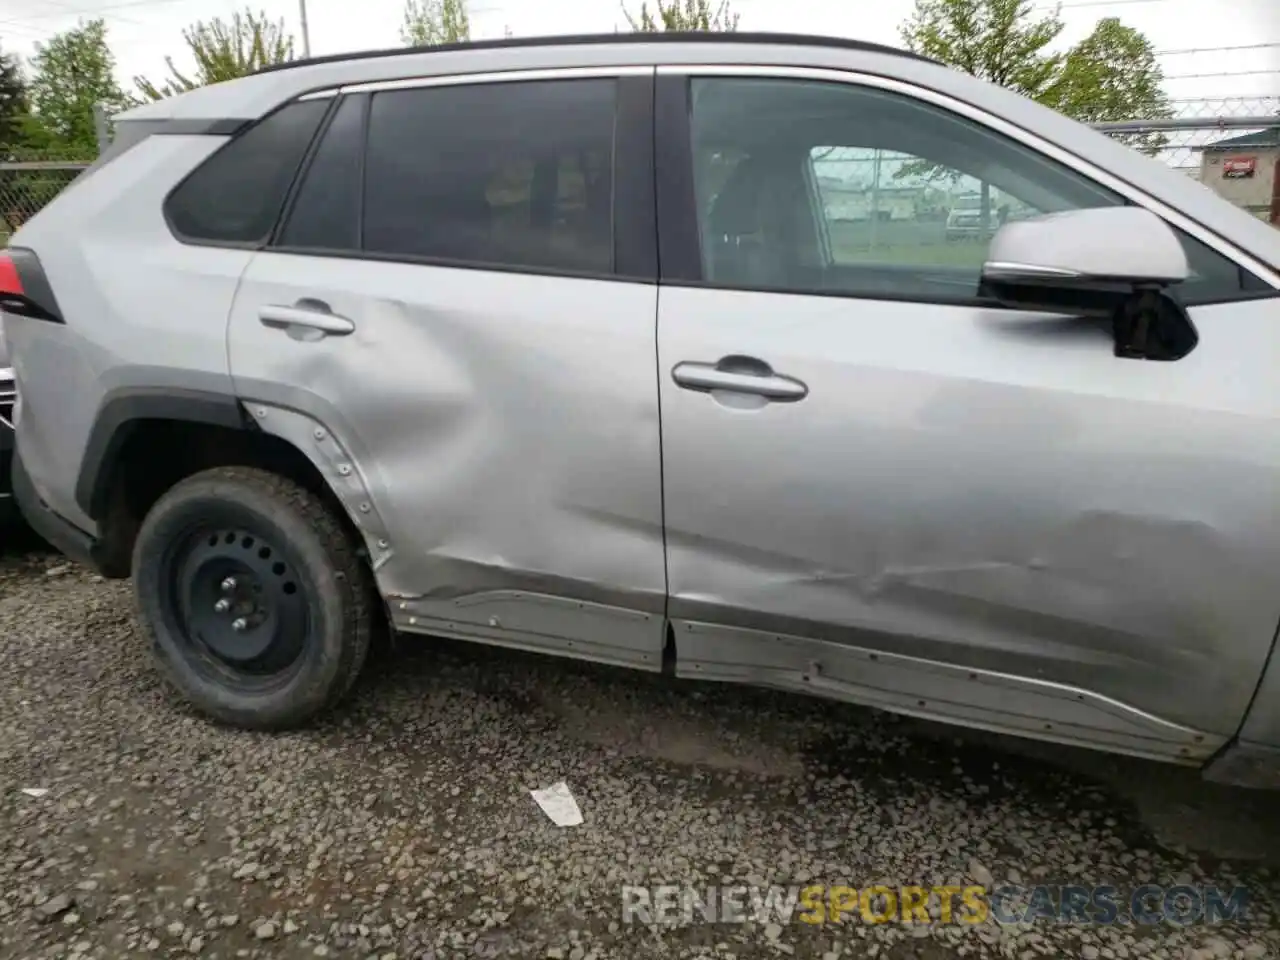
[
  {"x": 558, "y": 804},
  {"x": 389, "y": 828}
]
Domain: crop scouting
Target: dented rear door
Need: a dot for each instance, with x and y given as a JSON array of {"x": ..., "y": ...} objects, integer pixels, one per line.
[{"x": 457, "y": 327}]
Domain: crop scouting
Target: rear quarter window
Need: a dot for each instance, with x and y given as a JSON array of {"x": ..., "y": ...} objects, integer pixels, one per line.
[{"x": 236, "y": 195}]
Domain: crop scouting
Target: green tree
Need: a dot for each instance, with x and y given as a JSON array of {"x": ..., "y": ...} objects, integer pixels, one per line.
[
  {"x": 429, "y": 23},
  {"x": 224, "y": 50},
  {"x": 1110, "y": 75},
  {"x": 71, "y": 73},
  {"x": 997, "y": 40},
  {"x": 684, "y": 15},
  {"x": 14, "y": 184},
  {"x": 13, "y": 103}
]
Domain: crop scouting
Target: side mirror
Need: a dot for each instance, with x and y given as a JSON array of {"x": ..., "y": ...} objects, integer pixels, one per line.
[{"x": 1115, "y": 262}]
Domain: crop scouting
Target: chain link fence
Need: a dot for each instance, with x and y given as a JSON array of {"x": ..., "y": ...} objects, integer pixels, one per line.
[
  {"x": 29, "y": 180},
  {"x": 1230, "y": 144}
]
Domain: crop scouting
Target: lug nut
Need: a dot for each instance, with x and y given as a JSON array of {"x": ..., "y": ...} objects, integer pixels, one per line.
[
  {"x": 228, "y": 584},
  {"x": 239, "y": 624},
  {"x": 222, "y": 606}
]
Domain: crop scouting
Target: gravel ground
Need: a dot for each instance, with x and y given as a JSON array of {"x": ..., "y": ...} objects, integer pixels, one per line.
[{"x": 402, "y": 826}]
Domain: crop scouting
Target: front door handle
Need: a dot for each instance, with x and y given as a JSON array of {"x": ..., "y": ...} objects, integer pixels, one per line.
[
  {"x": 303, "y": 316},
  {"x": 739, "y": 375}
]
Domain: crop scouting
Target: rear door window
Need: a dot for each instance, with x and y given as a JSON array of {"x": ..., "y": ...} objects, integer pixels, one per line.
[
  {"x": 325, "y": 214},
  {"x": 507, "y": 174}
]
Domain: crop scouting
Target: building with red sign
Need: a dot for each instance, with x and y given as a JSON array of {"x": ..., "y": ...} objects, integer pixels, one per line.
[{"x": 1246, "y": 171}]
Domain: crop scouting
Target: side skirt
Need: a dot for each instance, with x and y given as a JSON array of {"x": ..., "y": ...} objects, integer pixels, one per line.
[
  {"x": 982, "y": 699},
  {"x": 541, "y": 623}
]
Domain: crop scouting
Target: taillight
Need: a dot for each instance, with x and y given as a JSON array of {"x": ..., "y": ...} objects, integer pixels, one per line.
[{"x": 24, "y": 288}]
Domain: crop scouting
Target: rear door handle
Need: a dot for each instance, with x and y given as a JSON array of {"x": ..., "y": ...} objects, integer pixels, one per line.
[
  {"x": 305, "y": 315},
  {"x": 751, "y": 376}
]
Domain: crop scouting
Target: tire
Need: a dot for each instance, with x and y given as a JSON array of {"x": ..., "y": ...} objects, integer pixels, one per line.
[{"x": 258, "y": 609}]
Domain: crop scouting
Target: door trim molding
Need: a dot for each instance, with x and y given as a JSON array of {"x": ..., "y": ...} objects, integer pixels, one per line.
[
  {"x": 994, "y": 701},
  {"x": 499, "y": 76},
  {"x": 555, "y": 624}
]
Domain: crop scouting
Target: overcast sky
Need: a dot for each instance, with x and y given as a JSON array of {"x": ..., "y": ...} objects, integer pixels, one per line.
[{"x": 142, "y": 32}]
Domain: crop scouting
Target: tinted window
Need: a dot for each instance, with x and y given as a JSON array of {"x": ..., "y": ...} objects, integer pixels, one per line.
[
  {"x": 236, "y": 195},
  {"x": 833, "y": 188},
  {"x": 326, "y": 211},
  {"x": 1213, "y": 278},
  {"x": 519, "y": 174}
]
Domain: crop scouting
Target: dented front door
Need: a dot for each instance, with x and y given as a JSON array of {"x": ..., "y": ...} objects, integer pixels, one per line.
[
  {"x": 961, "y": 514},
  {"x": 879, "y": 487}
]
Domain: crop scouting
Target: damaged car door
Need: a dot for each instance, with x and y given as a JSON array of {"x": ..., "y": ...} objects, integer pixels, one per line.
[
  {"x": 883, "y": 487},
  {"x": 456, "y": 324}
]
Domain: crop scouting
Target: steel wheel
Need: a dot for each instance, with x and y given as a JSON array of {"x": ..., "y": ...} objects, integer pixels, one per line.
[
  {"x": 238, "y": 605},
  {"x": 252, "y": 593}
]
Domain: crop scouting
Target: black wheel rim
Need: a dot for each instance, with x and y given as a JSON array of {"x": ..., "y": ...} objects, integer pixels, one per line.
[{"x": 238, "y": 605}]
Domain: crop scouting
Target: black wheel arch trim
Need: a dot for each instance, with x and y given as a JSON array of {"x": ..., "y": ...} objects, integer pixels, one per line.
[
  {"x": 70, "y": 540},
  {"x": 123, "y": 411}
]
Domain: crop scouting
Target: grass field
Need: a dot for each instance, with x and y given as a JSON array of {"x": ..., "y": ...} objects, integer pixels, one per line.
[{"x": 904, "y": 241}]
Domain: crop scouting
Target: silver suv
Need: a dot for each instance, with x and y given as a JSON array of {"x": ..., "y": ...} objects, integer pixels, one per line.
[{"x": 551, "y": 345}]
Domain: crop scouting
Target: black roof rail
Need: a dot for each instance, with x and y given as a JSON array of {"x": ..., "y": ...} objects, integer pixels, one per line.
[{"x": 786, "y": 39}]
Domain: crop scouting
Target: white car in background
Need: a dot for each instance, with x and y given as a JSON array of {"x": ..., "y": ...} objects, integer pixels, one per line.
[{"x": 965, "y": 217}]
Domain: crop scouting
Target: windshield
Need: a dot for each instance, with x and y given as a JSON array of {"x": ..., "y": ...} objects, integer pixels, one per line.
[{"x": 968, "y": 203}]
